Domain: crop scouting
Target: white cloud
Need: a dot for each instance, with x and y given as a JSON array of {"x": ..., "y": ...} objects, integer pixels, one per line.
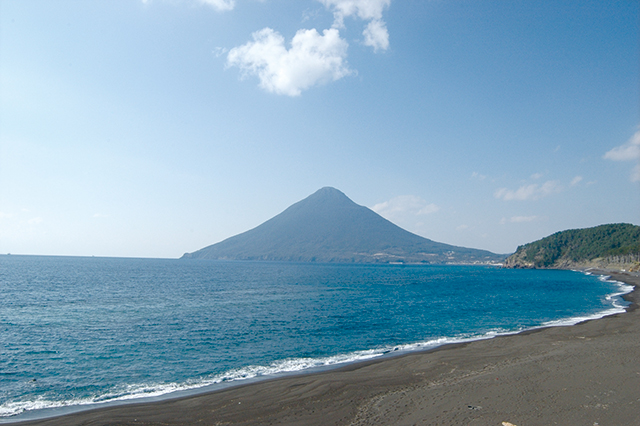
[
  {"x": 363, "y": 9},
  {"x": 478, "y": 176},
  {"x": 405, "y": 205},
  {"x": 220, "y": 51},
  {"x": 35, "y": 221},
  {"x": 462, "y": 227},
  {"x": 376, "y": 35},
  {"x": 536, "y": 176},
  {"x": 576, "y": 180},
  {"x": 220, "y": 5},
  {"x": 312, "y": 59},
  {"x": 518, "y": 219},
  {"x": 521, "y": 219},
  {"x": 629, "y": 151},
  {"x": 529, "y": 192}
]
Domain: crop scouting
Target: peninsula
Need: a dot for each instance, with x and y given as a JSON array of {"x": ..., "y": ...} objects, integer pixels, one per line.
[{"x": 613, "y": 246}]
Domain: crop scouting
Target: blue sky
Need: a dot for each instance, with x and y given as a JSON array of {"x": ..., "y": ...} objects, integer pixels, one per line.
[{"x": 153, "y": 128}]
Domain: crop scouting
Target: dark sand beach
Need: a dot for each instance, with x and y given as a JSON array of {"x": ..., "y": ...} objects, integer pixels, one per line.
[{"x": 586, "y": 374}]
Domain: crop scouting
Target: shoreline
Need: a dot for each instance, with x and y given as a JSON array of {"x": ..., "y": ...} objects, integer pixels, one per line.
[{"x": 449, "y": 384}]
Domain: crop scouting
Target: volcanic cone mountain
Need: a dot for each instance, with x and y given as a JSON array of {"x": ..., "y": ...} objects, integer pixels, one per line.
[{"x": 328, "y": 227}]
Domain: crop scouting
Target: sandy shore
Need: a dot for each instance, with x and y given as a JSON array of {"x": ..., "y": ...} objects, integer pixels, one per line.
[{"x": 587, "y": 374}]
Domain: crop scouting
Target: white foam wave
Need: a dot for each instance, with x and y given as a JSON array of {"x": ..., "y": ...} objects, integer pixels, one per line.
[
  {"x": 618, "y": 305},
  {"x": 292, "y": 365},
  {"x": 13, "y": 408}
]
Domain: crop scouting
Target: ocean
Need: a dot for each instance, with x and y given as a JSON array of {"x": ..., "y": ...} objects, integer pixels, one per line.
[{"x": 79, "y": 332}]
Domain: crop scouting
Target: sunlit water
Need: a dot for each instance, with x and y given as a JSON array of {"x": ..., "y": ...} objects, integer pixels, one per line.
[{"x": 83, "y": 331}]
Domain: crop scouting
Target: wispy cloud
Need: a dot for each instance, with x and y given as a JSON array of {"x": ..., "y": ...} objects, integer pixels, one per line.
[
  {"x": 375, "y": 34},
  {"x": 363, "y": 9},
  {"x": 529, "y": 192},
  {"x": 220, "y": 51},
  {"x": 220, "y": 5},
  {"x": 312, "y": 59},
  {"x": 519, "y": 219},
  {"x": 405, "y": 205},
  {"x": 576, "y": 180},
  {"x": 629, "y": 151}
]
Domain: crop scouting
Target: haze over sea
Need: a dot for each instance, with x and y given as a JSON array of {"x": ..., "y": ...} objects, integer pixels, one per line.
[{"x": 83, "y": 331}]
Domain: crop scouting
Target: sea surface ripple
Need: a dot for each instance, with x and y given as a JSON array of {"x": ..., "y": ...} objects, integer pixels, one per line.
[{"x": 77, "y": 331}]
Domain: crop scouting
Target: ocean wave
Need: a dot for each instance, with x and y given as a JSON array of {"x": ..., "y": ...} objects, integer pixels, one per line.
[
  {"x": 9, "y": 410},
  {"x": 618, "y": 305},
  {"x": 286, "y": 366}
]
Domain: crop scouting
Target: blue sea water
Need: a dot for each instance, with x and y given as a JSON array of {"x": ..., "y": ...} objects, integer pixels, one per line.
[{"x": 83, "y": 331}]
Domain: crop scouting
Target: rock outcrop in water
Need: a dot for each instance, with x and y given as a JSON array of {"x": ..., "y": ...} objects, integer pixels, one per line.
[
  {"x": 328, "y": 227},
  {"x": 613, "y": 246}
]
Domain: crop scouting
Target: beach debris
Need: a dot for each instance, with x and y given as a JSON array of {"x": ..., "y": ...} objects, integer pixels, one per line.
[
  {"x": 507, "y": 424},
  {"x": 474, "y": 407}
]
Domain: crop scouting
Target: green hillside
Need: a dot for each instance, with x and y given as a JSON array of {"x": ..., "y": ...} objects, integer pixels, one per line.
[{"x": 577, "y": 246}]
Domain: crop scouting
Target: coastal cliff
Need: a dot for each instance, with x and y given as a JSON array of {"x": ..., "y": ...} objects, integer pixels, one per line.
[{"x": 612, "y": 246}]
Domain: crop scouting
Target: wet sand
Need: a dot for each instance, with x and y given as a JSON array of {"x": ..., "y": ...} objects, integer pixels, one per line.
[{"x": 586, "y": 374}]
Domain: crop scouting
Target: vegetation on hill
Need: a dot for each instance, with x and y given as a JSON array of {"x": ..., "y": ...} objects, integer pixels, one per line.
[{"x": 575, "y": 246}]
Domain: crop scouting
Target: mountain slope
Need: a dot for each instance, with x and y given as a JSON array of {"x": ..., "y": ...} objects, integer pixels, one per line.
[
  {"x": 613, "y": 243},
  {"x": 328, "y": 227}
]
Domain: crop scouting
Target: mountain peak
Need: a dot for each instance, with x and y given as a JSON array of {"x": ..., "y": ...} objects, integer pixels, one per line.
[
  {"x": 328, "y": 226},
  {"x": 328, "y": 193},
  {"x": 325, "y": 198},
  {"x": 328, "y": 190}
]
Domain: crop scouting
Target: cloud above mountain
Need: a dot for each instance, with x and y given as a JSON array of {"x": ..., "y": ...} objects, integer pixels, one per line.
[
  {"x": 529, "y": 192},
  {"x": 519, "y": 219},
  {"x": 630, "y": 151},
  {"x": 363, "y": 9},
  {"x": 404, "y": 205},
  {"x": 221, "y": 5},
  {"x": 375, "y": 34},
  {"x": 312, "y": 58}
]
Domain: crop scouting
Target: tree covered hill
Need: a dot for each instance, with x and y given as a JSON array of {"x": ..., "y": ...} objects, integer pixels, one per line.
[{"x": 618, "y": 242}]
